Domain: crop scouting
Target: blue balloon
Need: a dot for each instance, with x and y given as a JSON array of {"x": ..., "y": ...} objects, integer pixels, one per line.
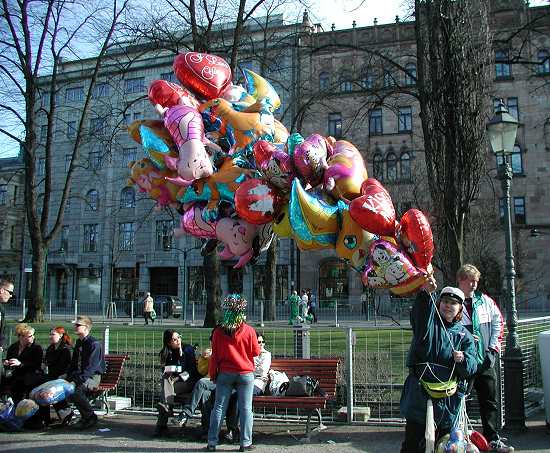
[{"x": 52, "y": 392}]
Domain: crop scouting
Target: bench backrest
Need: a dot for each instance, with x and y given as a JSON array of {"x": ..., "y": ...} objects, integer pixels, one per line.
[
  {"x": 114, "y": 365},
  {"x": 324, "y": 370}
]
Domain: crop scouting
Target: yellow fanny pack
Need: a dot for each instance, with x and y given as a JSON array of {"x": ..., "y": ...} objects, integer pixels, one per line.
[{"x": 440, "y": 389}]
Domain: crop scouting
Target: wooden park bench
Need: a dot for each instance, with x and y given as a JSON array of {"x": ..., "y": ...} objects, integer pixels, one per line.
[
  {"x": 114, "y": 364},
  {"x": 324, "y": 370}
]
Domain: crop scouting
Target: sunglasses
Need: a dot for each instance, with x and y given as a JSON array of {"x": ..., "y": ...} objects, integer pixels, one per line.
[
  {"x": 11, "y": 293},
  {"x": 261, "y": 341}
]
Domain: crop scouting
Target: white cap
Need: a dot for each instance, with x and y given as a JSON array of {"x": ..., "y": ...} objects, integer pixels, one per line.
[{"x": 452, "y": 292}]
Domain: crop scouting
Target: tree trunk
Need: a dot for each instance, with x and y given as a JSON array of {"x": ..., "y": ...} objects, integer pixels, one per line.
[
  {"x": 271, "y": 282},
  {"x": 211, "y": 265},
  {"x": 35, "y": 310}
]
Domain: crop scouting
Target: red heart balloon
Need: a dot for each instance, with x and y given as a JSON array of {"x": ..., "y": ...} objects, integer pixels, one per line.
[
  {"x": 256, "y": 202},
  {"x": 204, "y": 74},
  {"x": 374, "y": 210},
  {"x": 415, "y": 233}
]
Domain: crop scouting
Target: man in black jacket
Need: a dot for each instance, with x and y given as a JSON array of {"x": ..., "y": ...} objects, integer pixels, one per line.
[
  {"x": 6, "y": 293},
  {"x": 87, "y": 366}
]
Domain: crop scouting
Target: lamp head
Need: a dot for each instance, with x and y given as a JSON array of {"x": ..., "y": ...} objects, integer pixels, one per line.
[{"x": 502, "y": 130}]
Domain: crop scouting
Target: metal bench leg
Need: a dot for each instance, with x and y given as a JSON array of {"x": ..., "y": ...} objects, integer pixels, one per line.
[{"x": 105, "y": 403}]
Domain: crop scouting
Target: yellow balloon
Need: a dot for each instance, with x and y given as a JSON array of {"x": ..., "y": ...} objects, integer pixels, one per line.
[{"x": 281, "y": 224}]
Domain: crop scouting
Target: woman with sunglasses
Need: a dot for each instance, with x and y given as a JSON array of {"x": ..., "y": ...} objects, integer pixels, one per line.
[
  {"x": 262, "y": 364},
  {"x": 23, "y": 364},
  {"x": 57, "y": 362},
  {"x": 179, "y": 375}
]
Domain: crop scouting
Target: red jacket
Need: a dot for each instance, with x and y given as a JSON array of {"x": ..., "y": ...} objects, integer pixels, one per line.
[{"x": 233, "y": 354}]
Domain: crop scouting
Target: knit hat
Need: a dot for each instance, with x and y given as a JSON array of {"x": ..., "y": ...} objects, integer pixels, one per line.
[{"x": 234, "y": 311}]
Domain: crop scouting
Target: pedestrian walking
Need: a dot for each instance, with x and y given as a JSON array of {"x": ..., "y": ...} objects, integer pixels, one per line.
[{"x": 148, "y": 309}]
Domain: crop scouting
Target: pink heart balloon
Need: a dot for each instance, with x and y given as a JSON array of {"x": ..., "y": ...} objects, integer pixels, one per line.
[{"x": 205, "y": 75}]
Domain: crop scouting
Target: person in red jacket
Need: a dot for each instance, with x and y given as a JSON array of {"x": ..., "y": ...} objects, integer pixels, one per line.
[{"x": 234, "y": 346}]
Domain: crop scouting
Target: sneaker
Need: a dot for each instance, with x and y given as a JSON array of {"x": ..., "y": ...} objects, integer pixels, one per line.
[
  {"x": 499, "y": 446},
  {"x": 180, "y": 420},
  {"x": 210, "y": 448},
  {"x": 247, "y": 448}
]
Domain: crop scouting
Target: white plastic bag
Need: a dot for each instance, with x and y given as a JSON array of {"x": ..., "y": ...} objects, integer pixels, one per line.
[{"x": 278, "y": 382}]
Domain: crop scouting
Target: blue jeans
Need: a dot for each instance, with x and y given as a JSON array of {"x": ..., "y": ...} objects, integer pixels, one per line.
[
  {"x": 225, "y": 382},
  {"x": 201, "y": 392}
]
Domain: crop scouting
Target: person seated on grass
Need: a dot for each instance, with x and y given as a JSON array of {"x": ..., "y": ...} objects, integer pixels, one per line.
[
  {"x": 57, "y": 362},
  {"x": 87, "y": 366},
  {"x": 179, "y": 376},
  {"x": 441, "y": 358},
  {"x": 22, "y": 366}
]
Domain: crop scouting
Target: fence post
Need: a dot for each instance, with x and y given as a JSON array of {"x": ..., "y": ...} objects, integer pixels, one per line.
[
  {"x": 106, "y": 340},
  {"x": 50, "y": 309},
  {"x": 336, "y": 324},
  {"x": 132, "y": 312},
  {"x": 24, "y": 308},
  {"x": 261, "y": 313},
  {"x": 349, "y": 373},
  {"x": 193, "y": 312},
  {"x": 161, "y": 313},
  {"x": 75, "y": 309}
]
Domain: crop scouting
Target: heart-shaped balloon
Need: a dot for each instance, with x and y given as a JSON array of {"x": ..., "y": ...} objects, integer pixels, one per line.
[
  {"x": 169, "y": 94},
  {"x": 255, "y": 201},
  {"x": 205, "y": 75},
  {"x": 415, "y": 233},
  {"x": 374, "y": 210}
]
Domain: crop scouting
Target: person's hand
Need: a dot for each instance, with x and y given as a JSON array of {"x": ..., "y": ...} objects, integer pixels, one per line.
[
  {"x": 431, "y": 285},
  {"x": 476, "y": 337},
  {"x": 458, "y": 356},
  {"x": 14, "y": 362}
]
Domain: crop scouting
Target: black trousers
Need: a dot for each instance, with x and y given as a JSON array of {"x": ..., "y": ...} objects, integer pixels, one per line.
[
  {"x": 485, "y": 383},
  {"x": 414, "y": 437}
]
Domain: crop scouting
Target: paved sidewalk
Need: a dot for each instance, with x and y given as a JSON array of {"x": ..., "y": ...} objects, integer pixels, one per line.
[{"x": 132, "y": 433}]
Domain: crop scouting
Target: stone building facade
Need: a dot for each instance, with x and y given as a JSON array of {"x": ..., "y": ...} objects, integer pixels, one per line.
[{"x": 115, "y": 246}]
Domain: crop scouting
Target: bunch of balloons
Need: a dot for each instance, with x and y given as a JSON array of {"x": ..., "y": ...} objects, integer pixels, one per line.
[
  {"x": 13, "y": 416},
  {"x": 238, "y": 177}
]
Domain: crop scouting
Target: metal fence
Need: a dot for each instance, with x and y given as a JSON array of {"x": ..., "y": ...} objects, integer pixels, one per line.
[{"x": 376, "y": 371}]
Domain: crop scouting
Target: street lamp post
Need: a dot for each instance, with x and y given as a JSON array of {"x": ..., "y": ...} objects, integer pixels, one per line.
[{"x": 502, "y": 130}]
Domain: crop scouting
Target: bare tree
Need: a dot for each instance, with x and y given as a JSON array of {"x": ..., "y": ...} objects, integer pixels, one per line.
[{"x": 35, "y": 38}]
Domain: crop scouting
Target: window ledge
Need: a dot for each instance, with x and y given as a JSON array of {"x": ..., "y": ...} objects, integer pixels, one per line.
[{"x": 504, "y": 79}]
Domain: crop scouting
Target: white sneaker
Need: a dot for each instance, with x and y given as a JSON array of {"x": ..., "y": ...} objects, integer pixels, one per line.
[{"x": 499, "y": 446}]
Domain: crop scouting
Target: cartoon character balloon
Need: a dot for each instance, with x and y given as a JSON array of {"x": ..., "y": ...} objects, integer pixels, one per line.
[
  {"x": 345, "y": 171},
  {"x": 237, "y": 236},
  {"x": 275, "y": 165},
  {"x": 52, "y": 392},
  {"x": 256, "y": 202},
  {"x": 310, "y": 156},
  {"x": 153, "y": 181}
]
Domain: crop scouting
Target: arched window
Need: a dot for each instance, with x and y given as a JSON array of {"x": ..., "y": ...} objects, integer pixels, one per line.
[
  {"x": 324, "y": 81},
  {"x": 378, "y": 166},
  {"x": 389, "y": 81},
  {"x": 346, "y": 85},
  {"x": 391, "y": 166},
  {"x": 128, "y": 197},
  {"x": 410, "y": 74},
  {"x": 543, "y": 57},
  {"x": 92, "y": 200},
  {"x": 333, "y": 282},
  {"x": 368, "y": 79},
  {"x": 405, "y": 164}
]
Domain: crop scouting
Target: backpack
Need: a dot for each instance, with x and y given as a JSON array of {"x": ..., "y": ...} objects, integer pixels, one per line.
[{"x": 303, "y": 386}]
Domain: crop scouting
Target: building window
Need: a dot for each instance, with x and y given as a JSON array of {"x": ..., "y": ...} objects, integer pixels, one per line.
[
  {"x": 169, "y": 77},
  {"x": 128, "y": 198},
  {"x": 503, "y": 69},
  {"x": 65, "y": 238},
  {"x": 335, "y": 125},
  {"x": 94, "y": 159},
  {"x": 543, "y": 67},
  {"x": 324, "y": 81},
  {"x": 68, "y": 158},
  {"x": 14, "y": 196},
  {"x": 333, "y": 283},
  {"x": 90, "y": 237},
  {"x": 389, "y": 81},
  {"x": 45, "y": 99},
  {"x": 128, "y": 155},
  {"x": 346, "y": 85},
  {"x": 41, "y": 168},
  {"x": 92, "y": 200},
  {"x": 71, "y": 129},
  {"x": 101, "y": 90},
  {"x": 410, "y": 74},
  {"x": 137, "y": 116},
  {"x": 126, "y": 234},
  {"x": 74, "y": 94},
  {"x": 127, "y": 119},
  {"x": 511, "y": 104},
  {"x": 375, "y": 122},
  {"x": 516, "y": 160},
  {"x": 135, "y": 85},
  {"x": 519, "y": 210},
  {"x": 405, "y": 119},
  {"x": 378, "y": 166},
  {"x": 165, "y": 234},
  {"x": 391, "y": 166},
  {"x": 368, "y": 80},
  {"x": 43, "y": 133},
  {"x": 3, "y": 194},
  {"x": 98, "y": 126},
  {"x": 405, "y": 164}
]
